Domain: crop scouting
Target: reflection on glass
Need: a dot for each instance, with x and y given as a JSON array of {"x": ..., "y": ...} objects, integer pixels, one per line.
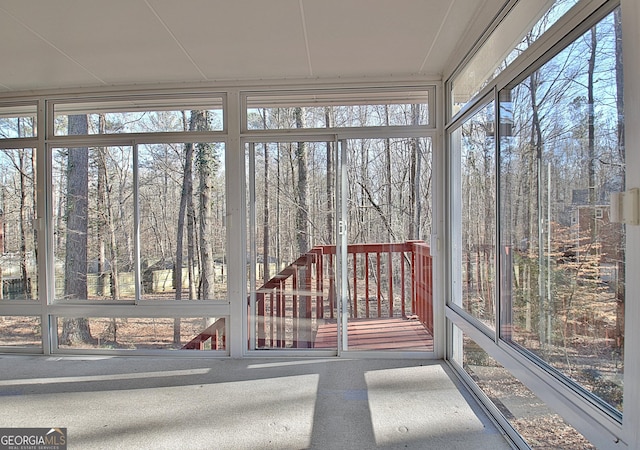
[
  {"x": 563, "y": 261},
  {"x": 522, "y": 26},
  {"x": 538, "y": 425},
  {"x": 20, "y": 331},
  {"x": 476, "y": 197},
  {"x": 18, "y": 268},
  {"x": 135, "y": 333}
]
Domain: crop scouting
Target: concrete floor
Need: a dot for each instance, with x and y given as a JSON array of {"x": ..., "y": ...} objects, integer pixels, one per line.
[{"x": 179, "y": 403}]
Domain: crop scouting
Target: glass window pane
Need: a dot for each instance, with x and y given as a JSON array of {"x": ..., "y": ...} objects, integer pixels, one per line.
[
  {"x": 475, "y": 196},
  {"x": 93, "y": 219},
  {"x": 563, "y": 261},
  {"x": 320, "y": 110},
  {"x": 538, "y": 425},
  {"x": 18, "y": 266},
  {"x": 294, "y": 213},
  {"x": 134, "y": 333},
  {"x": 139, "y": 115},
  {"x": 20, "y": 331},
  {"x": 18, "y": 121},
  {"x": 520, "y": 28},
  {"x": 182, "y": 221}
]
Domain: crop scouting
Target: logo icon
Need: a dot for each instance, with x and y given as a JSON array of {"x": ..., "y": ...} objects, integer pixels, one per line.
[{"x": 33, "y": 438}]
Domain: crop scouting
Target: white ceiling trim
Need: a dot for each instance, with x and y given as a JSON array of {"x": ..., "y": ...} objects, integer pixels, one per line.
[
  {"x": 306, "y": 37},
  {"x": 177, "y": 41},
  {"x": 52, "y": 45},
  {"x": 437, "y": 36}
]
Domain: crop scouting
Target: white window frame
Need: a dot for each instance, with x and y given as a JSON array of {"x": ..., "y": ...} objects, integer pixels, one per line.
[{"x": 587, "y": 416}]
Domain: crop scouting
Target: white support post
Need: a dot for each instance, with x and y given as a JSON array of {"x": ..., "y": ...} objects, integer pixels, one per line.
[{"x": 235, "y": 227}]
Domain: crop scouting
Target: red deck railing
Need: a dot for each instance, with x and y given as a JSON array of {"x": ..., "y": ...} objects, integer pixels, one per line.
[
  {"x": 385, "y": 280},
  {"x": 214, "y": 333}
]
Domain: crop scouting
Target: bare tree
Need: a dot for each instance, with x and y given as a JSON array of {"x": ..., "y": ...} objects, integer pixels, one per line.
[
  {"x": 328, "y": 120},
  {"x": 207, "y": 167},
  {"x": 186, "y": 194},
  {"x": 76, "y": 330},
  {"x": 620, "y": 288},
  {"x": 265, "y": 217},
  {"x": 302, "y": 218},
  {"x": 302, "y": 189}
]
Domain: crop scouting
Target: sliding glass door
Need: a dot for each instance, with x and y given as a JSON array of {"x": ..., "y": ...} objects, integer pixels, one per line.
[
  {"x": 387, "y": 296},
  {"x": 291, "y": 246},
  {"x": 337, "y": 251}
]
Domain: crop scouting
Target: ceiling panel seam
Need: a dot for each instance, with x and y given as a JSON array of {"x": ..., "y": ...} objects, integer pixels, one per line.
[
  {"x": 437, "y": 36},
  {"x": 178, "y": 43},
  {"x": 52, "y": 45},
  {"x": 306, "y": 38}
]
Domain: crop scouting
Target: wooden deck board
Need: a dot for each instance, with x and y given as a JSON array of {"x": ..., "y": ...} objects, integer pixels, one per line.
[{"x": 378, "y": 334}]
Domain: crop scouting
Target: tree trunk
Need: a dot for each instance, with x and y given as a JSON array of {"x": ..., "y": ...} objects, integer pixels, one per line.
[
  {"x": 535, "y": 144},
  {"x": 187, "y": 190},
  {"x": 416, "y": 173},
  {"x": 265, "y": 218},
  {"x": 388, "y": 181},
  {"x": 302, "y": 229},
  {"x": 302, "y": 188},
  {"x": 191, "y": 245},
  {"x": 101, "y": 209},
  {"x": 24, "y": 266},
  {"x": 278, "y": 214},
  {"x": 620, "y": 287},
  {"x": 75, "y": 287},
  {"x": 207, "y": 168},
  {"x": 592, "y": 137},
  {"x": 330, "y": 178}
]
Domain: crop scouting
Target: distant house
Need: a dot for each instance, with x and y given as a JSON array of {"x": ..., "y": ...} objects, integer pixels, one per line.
[{"x": 592, "y": 232}]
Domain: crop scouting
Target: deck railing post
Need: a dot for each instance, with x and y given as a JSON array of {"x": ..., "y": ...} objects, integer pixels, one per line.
[
  {"x": 260, "y": 319},
  {"x": 366, "y": 283},
  {"x": 319, "y": 285},
  {"x": 355, "y": 283},
  {"x": 332, "y": 286},
  {"x": 379, "y": 282},
  {"x": 390, "y": 275},
  {"x": 308, "y": 323},
  {"x": 280, "y": 314},
  {"x": 403, "y": 286},
  {"x": 272, "y": 305},
  {"x": 296, "y": 320},
  {"x": 414, "y": 283}
]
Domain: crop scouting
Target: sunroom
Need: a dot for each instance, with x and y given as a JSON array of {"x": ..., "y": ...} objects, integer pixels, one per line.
[{"x": 417, "y": 181}]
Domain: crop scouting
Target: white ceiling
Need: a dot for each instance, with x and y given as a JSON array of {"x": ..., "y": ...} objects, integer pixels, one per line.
[{"x": 83, "y": 43}]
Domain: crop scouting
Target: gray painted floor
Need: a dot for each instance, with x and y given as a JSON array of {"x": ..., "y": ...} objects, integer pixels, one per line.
[{"x": 178, "y": 403}]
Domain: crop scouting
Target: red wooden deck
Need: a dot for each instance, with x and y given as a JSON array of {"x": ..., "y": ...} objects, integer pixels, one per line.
[{"x": 378, "y": 334}]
